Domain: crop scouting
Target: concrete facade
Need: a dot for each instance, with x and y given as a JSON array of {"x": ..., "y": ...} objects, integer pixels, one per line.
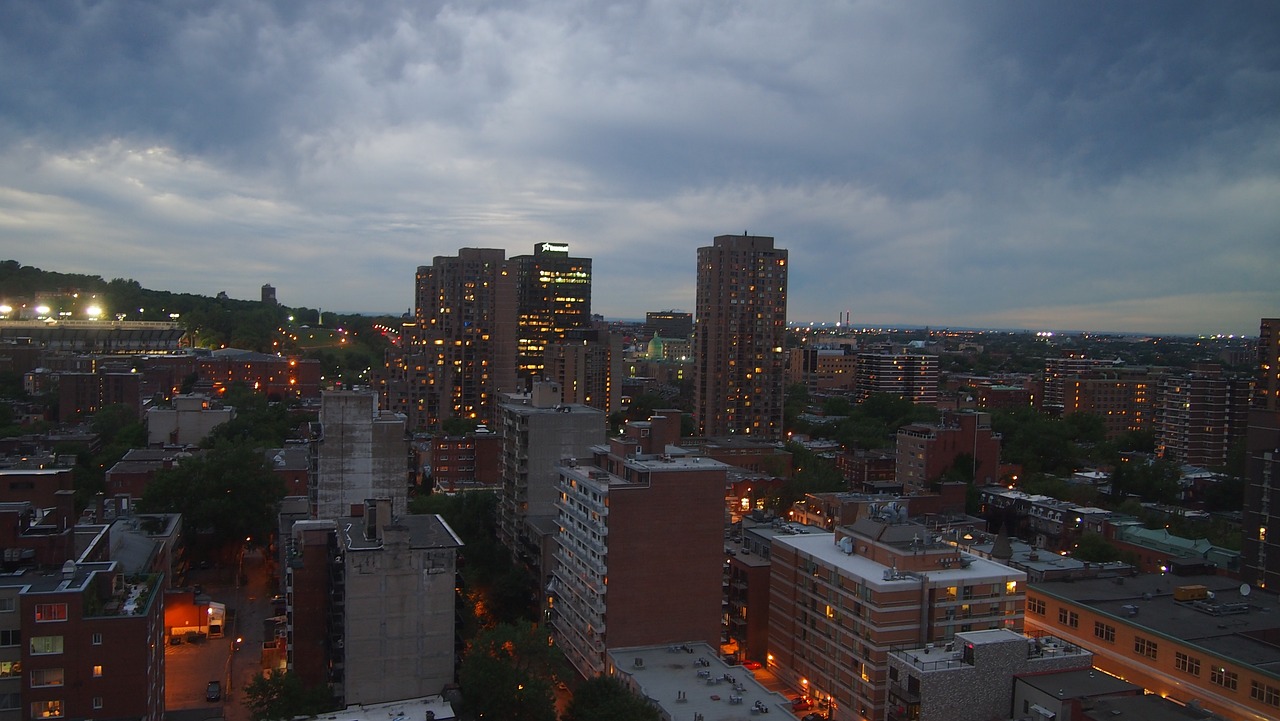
[
  {"x": 539, "y": 434},
  {"x": 398, "y": 578},
  {"x": 361, "y": 453},
  {"x": 187, "y": 422}
]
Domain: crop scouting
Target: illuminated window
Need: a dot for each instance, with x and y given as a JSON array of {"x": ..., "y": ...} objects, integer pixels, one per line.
[
  {"x": 46, "y": 709},
  {"x": 97, "y": 670},
  {"x": 46, "y": 612}
]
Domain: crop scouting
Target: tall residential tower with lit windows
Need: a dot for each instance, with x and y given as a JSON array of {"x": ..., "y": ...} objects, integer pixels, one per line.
[{"x": 739, "y": 331}]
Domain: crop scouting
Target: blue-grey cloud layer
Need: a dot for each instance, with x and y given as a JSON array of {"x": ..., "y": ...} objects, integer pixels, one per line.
[{"x": 1087, "y": 165}]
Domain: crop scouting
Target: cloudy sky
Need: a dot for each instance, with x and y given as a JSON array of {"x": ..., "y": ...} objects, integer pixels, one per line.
[{"x": 1083, "y": 165}]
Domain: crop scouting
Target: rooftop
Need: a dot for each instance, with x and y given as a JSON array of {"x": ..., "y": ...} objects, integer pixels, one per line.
[
  {"x": 822, "y": 547},
  {"x": 950, "y": 655},
  {"x": 690, "y": 681},
  {"x": 1078, "y": 683},
  {"x": 413, "y": 709},
  {"x": 1229, "y": 624}
]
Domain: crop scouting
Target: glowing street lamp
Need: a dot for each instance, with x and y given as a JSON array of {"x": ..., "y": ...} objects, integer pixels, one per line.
[{"x": 93, "y": 311}]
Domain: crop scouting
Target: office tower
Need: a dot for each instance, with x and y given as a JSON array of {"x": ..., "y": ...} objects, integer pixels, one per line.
[
  {"x": 667, "y": 324},
  {"x": 841, "y": 602},
  {"x": 739, "y": 333},
  {"x": 460, "y": 352},
  {"x": 641, "y": 543},
  {"x": 539, "y": 434},
  {"x": 1261, "y": 551},
  {"x": 360, "y": 453},
  {"x": 554, "y": 298},
  {"x": 1201, "y": 415}
]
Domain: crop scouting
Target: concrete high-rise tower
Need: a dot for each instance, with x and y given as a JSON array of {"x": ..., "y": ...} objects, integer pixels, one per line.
[{"x": 739, "y": 333}]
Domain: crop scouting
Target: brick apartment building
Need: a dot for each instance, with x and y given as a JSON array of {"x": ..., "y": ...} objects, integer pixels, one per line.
[{"x": 641, "y": 543}]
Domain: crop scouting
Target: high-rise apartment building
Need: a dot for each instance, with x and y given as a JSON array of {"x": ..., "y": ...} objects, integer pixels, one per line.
[
  {"x": 641, "y": 544},
  {"x": 1201, "y": 415},
  {"x": 460, "y": 352},
  {"x": 1123, "y": 398},
  {"x": 739, "y": 334},
  {"x": 539, "y": 434},
  {"x": 554, "y": 297},
  {"x": 359, "y": 453},
  {"x": 1261, "y": 546},
  {"x": 587, "y": 364},
  {"x": 913, "y": 376},
  {"x": 1056, "y": 373},
  {"x": 372, "y": 610}
]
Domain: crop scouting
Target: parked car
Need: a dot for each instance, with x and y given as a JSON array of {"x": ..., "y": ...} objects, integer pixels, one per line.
[{"x": 213, "y": 692}]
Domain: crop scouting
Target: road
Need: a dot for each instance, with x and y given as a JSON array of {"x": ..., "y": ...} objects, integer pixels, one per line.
[{"x": 190, "y": 667}]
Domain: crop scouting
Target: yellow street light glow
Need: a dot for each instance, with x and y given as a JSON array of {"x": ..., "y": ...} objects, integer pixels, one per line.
[{"x": 93, "y": 311}]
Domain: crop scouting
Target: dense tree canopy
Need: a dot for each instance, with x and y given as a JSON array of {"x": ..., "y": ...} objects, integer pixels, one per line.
[
  {"x": 605, "y": 698},
  {"x": 227, "y": 493},
  {"x": 508, "y": 674},
  {"x": 281, "y": 695}
]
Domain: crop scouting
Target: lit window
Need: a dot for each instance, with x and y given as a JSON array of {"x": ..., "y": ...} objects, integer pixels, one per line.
[{"x": 46, "y": 612}]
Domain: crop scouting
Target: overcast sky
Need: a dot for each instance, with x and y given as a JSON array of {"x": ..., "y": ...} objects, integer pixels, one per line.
[{"x": 1067, "y": 165}]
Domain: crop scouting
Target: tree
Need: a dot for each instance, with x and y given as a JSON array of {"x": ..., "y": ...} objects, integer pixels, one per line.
[
  {"x": 605, "y": 698},
  {"x": 507, "y": 674},
  {"x": 282, "y": 695},
  {"x": 1095, "y": 549},
  {"x": 228, "y": 493}
]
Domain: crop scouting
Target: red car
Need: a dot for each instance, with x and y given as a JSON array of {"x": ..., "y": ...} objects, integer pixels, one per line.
[{"x": 752, "y": 665}]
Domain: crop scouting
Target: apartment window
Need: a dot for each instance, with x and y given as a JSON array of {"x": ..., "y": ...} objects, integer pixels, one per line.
[
  {"x": 97, "y": 670},
  {"x": 1036, "y": 606},
  {"x": 46, "y": 677},
  {"x": 1068, "y": 618},
  {"x": 1266, "y": 693},
  {"x": 7, "y": 605},
  {"x": 10, "y": 701},
  {"x": 46, "y": 709},
  {"x": 1186, "y": 664},
  {"x": 97, "y": 702},
  {"x": 44, "y": 645},
  {"x": 9, "y": 669},
  {"x": 1104, "y": 631},
  {"x": 11, "y": 637},
  {"x": 48, "y": 612},
  {"x": 97, "y": 639},
  {"x": 1222, "y": 677},
  {"x": 1144, "y": 647}
]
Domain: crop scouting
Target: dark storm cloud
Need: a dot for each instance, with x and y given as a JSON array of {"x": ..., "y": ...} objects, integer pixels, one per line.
[{"x": 1106, "y": 165}]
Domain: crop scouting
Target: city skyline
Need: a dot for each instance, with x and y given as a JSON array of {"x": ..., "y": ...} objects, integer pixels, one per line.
[{"x": 999, "y": 165}]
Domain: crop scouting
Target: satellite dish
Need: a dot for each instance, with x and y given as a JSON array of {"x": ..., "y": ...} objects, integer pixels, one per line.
[{"x": 1245, "y": 589}]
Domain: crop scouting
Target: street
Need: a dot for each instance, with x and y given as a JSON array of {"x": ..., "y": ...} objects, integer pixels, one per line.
[{"x": 189, "y": 667}]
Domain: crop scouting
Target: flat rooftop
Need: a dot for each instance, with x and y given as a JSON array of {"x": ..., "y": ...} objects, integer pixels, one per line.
[
  {"x": 822, "y": 547},
  {"x": 1230, "y": 624},
  {"x": 690, "y": 680},
  {"x": 1078, "y": 683},
  {"x": 413, "y": 709}
]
